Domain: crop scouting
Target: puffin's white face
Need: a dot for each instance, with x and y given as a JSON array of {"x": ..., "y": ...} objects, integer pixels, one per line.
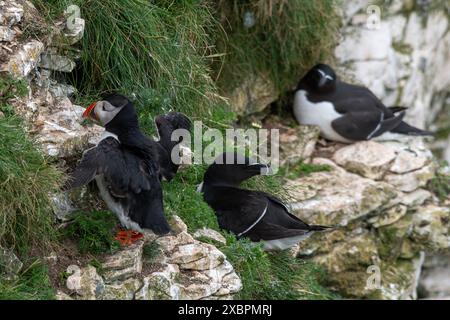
[{"x": 102, "y": 111}]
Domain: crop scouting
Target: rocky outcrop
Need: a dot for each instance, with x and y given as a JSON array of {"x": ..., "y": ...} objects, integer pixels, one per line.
[
  {"x": 383, "y": 219},
  {"x": 180, "y": 267},
  {"x": 10, "y": 264},
  {"x": 400, "y": 50},
  {"x": 54, "y": 119}
]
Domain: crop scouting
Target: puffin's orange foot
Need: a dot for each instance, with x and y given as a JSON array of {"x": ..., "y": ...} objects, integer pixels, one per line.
[{"x": 128, "y": 237}]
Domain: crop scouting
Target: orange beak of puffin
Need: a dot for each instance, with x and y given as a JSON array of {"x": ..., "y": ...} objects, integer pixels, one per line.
[{"x": 87, "y": 112}]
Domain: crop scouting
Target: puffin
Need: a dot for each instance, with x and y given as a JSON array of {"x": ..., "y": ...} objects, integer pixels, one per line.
[
  {"x": 257, "y": 215},
  {"x": 345, "y": 112},
  {"x": 166, "y": 124},
  {"x": 126, "y": 167}
]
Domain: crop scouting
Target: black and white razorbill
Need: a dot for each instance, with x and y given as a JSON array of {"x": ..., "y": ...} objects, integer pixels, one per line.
[
  {"x": 257, "y": 215},
  {"x": 345, "y": 112},
  {"x": 125, "y": 166},
  {"x": 166, "y": 125}
]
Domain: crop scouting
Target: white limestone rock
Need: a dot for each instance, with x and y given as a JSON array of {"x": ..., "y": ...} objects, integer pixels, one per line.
[{"x": 25, "y": 59}]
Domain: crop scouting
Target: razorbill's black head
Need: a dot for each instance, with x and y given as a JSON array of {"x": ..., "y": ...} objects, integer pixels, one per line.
[
  {"x": 321, "y": 78},
  {"x": 257, "y": 215},
  {"x": 233, "y": 168},
  {"x": 346, "y": 112}
]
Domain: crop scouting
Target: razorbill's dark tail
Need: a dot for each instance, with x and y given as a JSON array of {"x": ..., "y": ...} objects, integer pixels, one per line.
[
  {"x": 405, "y": 128},
  {"x": 318, "y": 227}
]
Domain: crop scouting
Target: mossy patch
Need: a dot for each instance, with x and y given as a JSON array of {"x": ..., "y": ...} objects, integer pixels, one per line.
[{"x": 440, "y": 184}]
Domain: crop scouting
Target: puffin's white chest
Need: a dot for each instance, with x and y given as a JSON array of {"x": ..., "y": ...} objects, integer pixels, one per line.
[{"x": 321, "y": 114}]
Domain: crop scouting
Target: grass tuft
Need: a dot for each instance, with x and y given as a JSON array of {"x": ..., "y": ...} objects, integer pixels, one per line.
[
  {"x": 32, "y": 284},
  {"x": 26, "y": 181},
  {"x": 279, "y": 38},
  {"x": 94, "y": 231},
  {"x": 10, "y": 88},
  {"x": 154, "y": 51},
  {"x": 302, "y": 169},
  {"x": 271, "y": 276}
]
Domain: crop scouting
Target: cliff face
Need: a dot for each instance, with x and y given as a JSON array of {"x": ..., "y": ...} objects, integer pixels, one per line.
[
  {"x": 404, "y": 57},
  {"x": 374, "y": 194},
  {"x": 384, "y": 220}
]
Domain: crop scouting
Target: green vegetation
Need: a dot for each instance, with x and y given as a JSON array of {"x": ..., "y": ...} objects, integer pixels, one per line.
[
  {"x": 279, "y": 38},
  {"x": 10, "y": 88},
  {"x": 158, "y": 51},
  {"x": 151, "y": 251},
  {"x": 26, "y": 181},
  {"x": 273, "y": 275},
  {"x": 301, "y": 169},
  {"x": 94, "y": 231},
  {"x": 32, "y": 284},
  {"x": 440, "y": 184}
]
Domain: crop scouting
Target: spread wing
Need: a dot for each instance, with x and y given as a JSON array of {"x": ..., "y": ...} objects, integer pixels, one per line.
[{"x": 120, "y": 168}]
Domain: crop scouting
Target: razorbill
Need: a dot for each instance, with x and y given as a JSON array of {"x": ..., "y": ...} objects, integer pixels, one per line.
[
  {"x": 125, "y": 166},
  {"x": 345, "y": 112},
  {"x": 257, "y": 215},
  {"x": 166, "y": 125}
]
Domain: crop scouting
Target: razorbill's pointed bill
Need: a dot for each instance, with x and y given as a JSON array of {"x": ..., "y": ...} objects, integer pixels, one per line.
[
  {"x": 257, "y": 215},
  {"x": 166, "y": 125},
  {"x": 346, "y": 112},
  {"x": 125, "y": 166}
]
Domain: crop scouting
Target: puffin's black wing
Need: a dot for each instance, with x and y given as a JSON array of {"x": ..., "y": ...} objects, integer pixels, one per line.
[
  {"x": 121, "y": 171},
  {"x": 364, "y": 125}
]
